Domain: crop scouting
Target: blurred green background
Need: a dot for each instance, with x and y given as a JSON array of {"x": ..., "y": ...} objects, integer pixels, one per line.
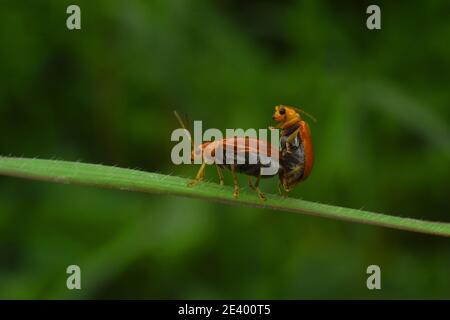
[{"x": 105, "y": 94}]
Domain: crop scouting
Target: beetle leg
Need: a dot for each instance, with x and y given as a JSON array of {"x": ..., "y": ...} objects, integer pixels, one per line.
[
  {"x": 256, "y": 188},
  {"x": 219, "y": 173},
  {"x": 199, "y": 176},
  {"x": 250, "y": 184},
  {"x": 280, "y": 191},
  {"x": 291, "y": 137},
  {"x": 235, "y": 181},
  {"x": 294, "y": 171}
]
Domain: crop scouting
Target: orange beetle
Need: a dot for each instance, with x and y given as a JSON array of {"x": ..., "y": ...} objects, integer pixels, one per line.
[
  {"x": 296, "y": 149},
  {"x": 246, "y": 147}
]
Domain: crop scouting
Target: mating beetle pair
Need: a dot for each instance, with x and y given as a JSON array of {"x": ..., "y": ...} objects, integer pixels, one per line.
[{"x": 296, "y": 155}]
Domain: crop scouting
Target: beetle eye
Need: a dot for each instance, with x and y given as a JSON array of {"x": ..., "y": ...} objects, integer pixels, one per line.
[{"x": 282, "y": 111}]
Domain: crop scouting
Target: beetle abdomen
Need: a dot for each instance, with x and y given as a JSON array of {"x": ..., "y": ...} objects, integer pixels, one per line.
[{"x": 293, "y": 161}]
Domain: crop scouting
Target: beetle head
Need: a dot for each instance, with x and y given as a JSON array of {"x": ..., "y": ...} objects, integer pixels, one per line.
[{"x": 285, "y": 114}]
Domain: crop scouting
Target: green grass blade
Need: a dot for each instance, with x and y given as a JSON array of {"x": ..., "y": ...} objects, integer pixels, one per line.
[{"x": 134, "y": 180}]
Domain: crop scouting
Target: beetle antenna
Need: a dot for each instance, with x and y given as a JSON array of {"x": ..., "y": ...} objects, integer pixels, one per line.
[
  {"x": 182, "y": 124},
  {"x": 306, "y": 113}
]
